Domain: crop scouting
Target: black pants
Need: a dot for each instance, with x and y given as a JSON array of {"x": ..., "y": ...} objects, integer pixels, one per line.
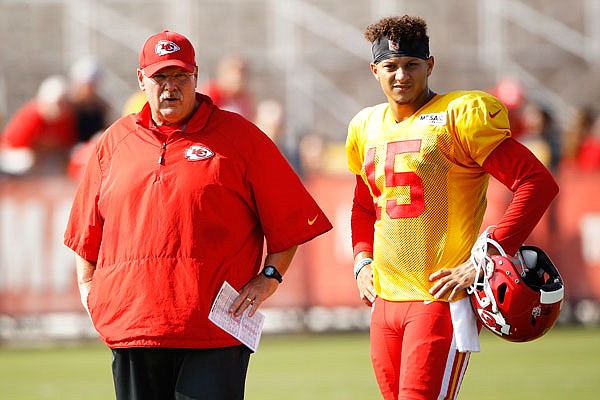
[{"x": 180, "y": 374}]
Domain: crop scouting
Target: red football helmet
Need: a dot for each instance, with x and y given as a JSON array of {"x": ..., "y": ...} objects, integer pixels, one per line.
[{"x": 517, "y": 298}]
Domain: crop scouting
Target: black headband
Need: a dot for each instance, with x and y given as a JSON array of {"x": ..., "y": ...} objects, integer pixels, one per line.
[{"x": 383, "y": 48}]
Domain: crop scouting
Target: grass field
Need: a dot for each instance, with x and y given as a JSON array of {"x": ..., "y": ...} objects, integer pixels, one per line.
[{"x": 565, "y": 364}]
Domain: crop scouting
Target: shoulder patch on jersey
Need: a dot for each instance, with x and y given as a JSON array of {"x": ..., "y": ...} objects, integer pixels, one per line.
[
  {"x": 198, "y": 153},
  {"x": 433, "y": 119}
]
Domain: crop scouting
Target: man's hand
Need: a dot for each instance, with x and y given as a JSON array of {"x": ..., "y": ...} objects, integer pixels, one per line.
[
  {"x": 260, "y": 288},
  {"x": 452, "y": 280},
  {"x": 364, "y": 281},
  {"x": 84, "y": 291},
  {"x": 85, "y": 275},
  {"x": 253, "y": 294}
]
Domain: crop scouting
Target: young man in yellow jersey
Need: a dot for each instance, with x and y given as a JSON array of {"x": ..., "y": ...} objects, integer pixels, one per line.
[{"x": 422, "y": 163}]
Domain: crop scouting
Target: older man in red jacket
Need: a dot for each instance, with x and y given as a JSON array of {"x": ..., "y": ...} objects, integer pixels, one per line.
[{"x": 176, "y": 200}]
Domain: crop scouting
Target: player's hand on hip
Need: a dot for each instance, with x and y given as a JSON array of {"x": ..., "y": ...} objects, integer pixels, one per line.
[
  {"x": 452, "y": 280},
  {"x": 364, "y": 281},
  {"x": 253, "y": 294}
]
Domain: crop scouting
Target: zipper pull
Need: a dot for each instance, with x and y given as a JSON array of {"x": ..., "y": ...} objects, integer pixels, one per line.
[{"x": 161, "y": 158}]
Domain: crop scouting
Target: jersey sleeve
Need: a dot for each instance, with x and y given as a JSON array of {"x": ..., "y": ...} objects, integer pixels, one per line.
[
  {"x": 288, "y": 213},
  {"x": 355, "y": 143},
  {"x": 85, "y": 225},
  {"x": 480, "y": 125}
]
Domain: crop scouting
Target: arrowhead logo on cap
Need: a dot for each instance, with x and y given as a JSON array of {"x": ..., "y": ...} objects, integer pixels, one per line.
[{"x": 165, "y": 47}]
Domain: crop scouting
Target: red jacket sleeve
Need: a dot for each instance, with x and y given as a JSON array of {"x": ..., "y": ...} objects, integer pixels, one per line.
[
  {"x": 533, "y": 189},
  {"x": 85, "y": 226},
  {"x": 363, "y": 218}
]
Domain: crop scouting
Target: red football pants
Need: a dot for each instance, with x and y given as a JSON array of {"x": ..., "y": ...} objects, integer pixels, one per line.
[{"x": 413, "y": 353}]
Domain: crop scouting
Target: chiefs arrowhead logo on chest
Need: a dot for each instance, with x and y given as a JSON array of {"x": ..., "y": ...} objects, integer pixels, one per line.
[{"x": 198, "y": 153}]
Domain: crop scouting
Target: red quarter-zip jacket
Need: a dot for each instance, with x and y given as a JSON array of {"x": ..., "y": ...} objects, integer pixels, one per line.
[{"x": 168, "y": 218}]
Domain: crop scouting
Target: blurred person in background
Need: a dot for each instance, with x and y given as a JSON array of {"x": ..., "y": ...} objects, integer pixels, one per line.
[
  {"x": 92, "y": 111},
  {"x": 588, "y": 156},
  {"x": 311, "y": 152},
  {"x": 79, "y": 157},
  {"x": 176, "y": 200},
  {"x": 576, "y": 129},
  {"x": 38, "y": 138},
  {"x": 542, "y": 137},
  {"x": 270, "y": 119},
  {"x": 229, "y": 89},
  {"x": 511, "y": 92},
  {"x": 582, "y": 145},
  {"x": 422, "y": 162},
  {"x": 541, "y": 134}
]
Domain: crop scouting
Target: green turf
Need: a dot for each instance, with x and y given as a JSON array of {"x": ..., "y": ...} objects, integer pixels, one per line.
[
  {"x": 565, "y": 364},
  {"x": 312, "y": 367},
  {"x": 65, "y": 373}
]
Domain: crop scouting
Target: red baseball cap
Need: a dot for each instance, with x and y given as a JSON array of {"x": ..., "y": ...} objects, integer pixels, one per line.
[{"x": 166, "y": 49}]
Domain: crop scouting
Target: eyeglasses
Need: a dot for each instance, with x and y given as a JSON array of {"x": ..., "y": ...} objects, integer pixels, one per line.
[{"x": 161, "y": 79}]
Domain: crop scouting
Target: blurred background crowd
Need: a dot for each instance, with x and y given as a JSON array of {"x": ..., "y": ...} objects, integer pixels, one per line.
[{"x": 299, "y": 70}]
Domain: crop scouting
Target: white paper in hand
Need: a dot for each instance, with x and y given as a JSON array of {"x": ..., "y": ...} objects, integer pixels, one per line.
[{"x": 244, "y": 328}]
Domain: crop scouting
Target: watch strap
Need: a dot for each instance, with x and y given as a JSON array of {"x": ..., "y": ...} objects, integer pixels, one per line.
[
  {"x": 273, "y": 274},
  {"x": 360, "y": 265}
]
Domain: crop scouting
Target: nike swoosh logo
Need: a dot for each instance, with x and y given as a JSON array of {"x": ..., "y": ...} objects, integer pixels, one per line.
[
  {"x": 312, "y": 221},
  {"x": 494, "y": 114}
]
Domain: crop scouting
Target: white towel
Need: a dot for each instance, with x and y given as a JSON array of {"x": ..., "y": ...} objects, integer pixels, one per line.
[{"x": 465, "y": 325}]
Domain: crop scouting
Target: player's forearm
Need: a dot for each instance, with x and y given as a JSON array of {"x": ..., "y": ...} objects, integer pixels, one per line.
[
  {"x": 363, "y": 218},
  {"x": 362, "y": 255},
  {"x": 534, "y": 189},
  {"x": 523, "y": 214},
  {"x": 282, "y": 259}
]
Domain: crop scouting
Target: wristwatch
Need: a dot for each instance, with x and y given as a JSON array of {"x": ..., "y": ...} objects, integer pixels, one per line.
[{"x": 271, "y": 272}]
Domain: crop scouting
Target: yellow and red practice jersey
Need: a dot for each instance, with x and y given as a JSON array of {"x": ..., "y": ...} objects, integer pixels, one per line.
[{"x": 428, "y": 185}]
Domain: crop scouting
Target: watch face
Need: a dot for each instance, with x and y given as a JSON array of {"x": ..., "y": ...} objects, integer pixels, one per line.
[{"x": 269, "y": 270}]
